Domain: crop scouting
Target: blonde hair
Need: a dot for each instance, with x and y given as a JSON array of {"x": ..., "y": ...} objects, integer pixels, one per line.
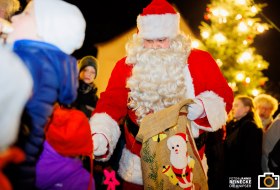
[
  {"x": 249, "y": 102},
  {"x": 157, "y": 80},
  {"x": 9, "y": 7},
  {"x": 265, "y": 99}
]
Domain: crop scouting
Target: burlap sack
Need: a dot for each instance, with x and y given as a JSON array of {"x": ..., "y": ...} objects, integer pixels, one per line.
[{"x": 158, "y": 133}]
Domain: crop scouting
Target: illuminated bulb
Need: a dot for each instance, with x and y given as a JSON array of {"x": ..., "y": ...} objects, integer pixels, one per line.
[
  {"x": 240, "y": 2},
  {"x": 205, "y": 34},
  {"x": 233, "y": 86},
  {"x": 215, "y": 12},
  {"x": 242, "y": 27},
  {"x": 245, "y": 42},
  {"x": 223, "y": 12},
  {"x": 254, "y": 9},
  {"x": 220, "y": 12},
  {"x": 220, "y": 38},
  {"x": 250, "y": 22},
  {"x": 195, "y": 44},
  {"x": 260, "y": 29},
  {"x": 219, "y": 62},
  {"x": 240, "y": 77},
  {"x": 247, "y": 80},
  {"x": 224, "y": 20},
  {"x": 255, "y": 92},
  {"x": 245, "y": 57},
  {"x": 238, "y": 17}
]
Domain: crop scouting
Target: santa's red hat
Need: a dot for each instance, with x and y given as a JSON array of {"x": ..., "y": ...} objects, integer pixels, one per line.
[
  {"x": 183, "y": 135},
  {"x": 158, "y": 20}
]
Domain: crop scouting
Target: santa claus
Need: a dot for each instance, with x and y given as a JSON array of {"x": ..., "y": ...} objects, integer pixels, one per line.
[{"x": 160, "y": 70}]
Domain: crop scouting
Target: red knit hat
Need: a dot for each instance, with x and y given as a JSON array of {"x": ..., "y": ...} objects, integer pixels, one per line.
[
  {"x": 69, "y": 133},
  {"x": 158, "y": 20}
]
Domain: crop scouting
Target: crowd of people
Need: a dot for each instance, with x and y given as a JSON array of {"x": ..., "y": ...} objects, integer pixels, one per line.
[{"x": 56, "y": 131}]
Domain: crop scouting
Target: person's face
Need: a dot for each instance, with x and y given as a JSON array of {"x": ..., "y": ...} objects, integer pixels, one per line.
[
  {"x": 239, "y": 110},
  {"x": 264, "y": 111},
  {"x": 24, "y": 25},
  {"x": 88, "y": 74},
  {"x": 157, "y": 43}
]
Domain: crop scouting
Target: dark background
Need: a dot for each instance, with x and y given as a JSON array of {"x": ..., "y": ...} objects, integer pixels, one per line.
[{"x": 107, "y": 19}]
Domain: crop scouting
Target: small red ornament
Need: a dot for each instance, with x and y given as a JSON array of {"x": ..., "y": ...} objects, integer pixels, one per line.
[
  {"x": 206, "y": 16},
  {"x": 110, "y": 179}
]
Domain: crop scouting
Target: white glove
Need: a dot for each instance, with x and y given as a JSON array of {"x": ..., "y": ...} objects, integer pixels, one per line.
[
  {"x": 100, "y": 144},
  {"x": 196, "y": 110}
]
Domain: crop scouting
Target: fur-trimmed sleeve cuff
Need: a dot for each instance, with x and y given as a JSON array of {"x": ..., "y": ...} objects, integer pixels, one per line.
[
  {"x": 102, "y": 123},
  {"x": 216, "y": 115}
]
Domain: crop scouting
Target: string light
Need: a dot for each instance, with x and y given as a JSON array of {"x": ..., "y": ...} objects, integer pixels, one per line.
[
  {"x": 247, "y": 79},
  {"x": 195, "y": 43},
  {"x": 242, "y": 27},
  {"x": 254, "y": 9},
  {"x": 205, "y": 34},
  {"x": 219, "y": 62},
  {"x": 220, "y": 38},
  {"x": 260, "y": 28},
  {"x": 240, "y": 76},
  {"x": 245, "y": 56},
  {"x": 238, "y": 17},
  {"x": 255, "y": 92},
  {"x": 240, "y": 2}
]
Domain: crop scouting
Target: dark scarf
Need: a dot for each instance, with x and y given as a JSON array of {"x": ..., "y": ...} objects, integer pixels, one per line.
[{"x": 85, "y": 88}]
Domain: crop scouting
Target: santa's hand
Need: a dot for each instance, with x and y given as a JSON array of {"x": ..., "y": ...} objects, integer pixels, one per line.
[
  {"x": 100, "y": 144},
  {"x": 196, "y": 110}
]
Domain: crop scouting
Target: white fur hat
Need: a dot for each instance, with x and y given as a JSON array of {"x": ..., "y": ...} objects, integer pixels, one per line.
[
  {"x": 60, "y": 23},
  {"x": 158, "y": 20},
  {"x": 16, "y": 84}
]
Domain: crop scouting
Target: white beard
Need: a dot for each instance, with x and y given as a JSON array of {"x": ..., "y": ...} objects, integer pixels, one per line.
[
  {"x": 179, "y": 161},
  {"x": 157, "y": 80}
]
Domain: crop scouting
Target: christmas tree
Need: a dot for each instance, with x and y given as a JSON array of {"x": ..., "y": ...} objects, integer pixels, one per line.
[{"x": 228, "y": 33}]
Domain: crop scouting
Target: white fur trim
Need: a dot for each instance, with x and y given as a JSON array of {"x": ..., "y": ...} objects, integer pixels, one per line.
[
  {"x": 130, "y": 167},
  {"x": 189, "y": 83},
  {"x": 190, "y": 94},
  {"x": 158, "y": 26},
  {"x": 104, "y": 124},
  {"x": 215, "y": 109}
]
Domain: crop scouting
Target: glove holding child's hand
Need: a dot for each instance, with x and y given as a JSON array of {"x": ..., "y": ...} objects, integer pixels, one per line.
[
  {"x": 100, "y": 144},
  {"x": 196, "y": 110}
]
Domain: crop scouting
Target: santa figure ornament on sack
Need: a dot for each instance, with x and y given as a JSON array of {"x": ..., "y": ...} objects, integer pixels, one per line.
[
  {"x": 160, "y": 70},
  {"x": 182, "y": 163}
]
